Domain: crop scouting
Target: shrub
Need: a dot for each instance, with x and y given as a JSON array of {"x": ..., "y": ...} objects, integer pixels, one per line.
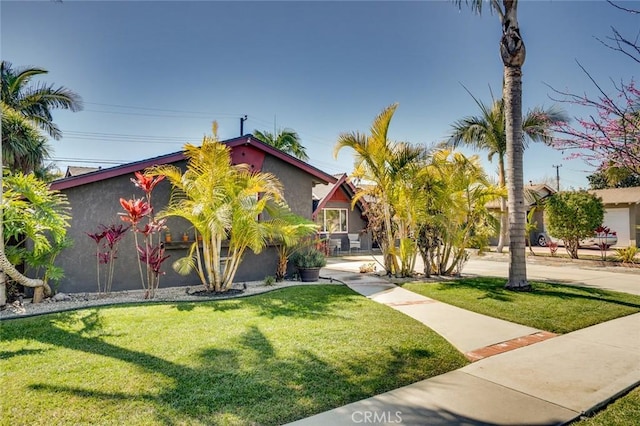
[
  {"x": 269, "y": 280},
  {"x": 627, "y": 254},
  {"x": 309, "y": 258}
]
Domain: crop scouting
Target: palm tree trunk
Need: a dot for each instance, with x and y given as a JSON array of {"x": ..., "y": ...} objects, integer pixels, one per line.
[
  {"x": 512, "y": 51},
  {"x": 504, "y": 220}
]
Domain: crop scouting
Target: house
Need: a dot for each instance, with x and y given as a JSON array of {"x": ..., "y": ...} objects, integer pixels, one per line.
[
  {"x": 533, "y": 195},
  {"x": 338, "y": 221},
  {"x": 79, "y": 170},
  {"x": 622, "y": 213},
  {"x": 94, "y": 199}
]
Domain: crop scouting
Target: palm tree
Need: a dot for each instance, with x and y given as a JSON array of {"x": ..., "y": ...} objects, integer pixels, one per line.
[
  {"x": 384, "y": 163},
  {"x": 456, "y": 191},
  {"x": 487, "y": 132},
  {"x": 513, "y": 54},
  {"x": 35, "y": 102},
  {"x": 24, "y": 149},
  {"x": 221, "y": 201},
  {"x": 286, "y": 140}
]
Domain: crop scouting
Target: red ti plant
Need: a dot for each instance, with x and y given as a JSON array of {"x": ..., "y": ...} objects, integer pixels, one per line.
[
  {"x": 107, "y": 239},
  {"x": 151, "y": 251},
  {"x": 602, "y": 232}
]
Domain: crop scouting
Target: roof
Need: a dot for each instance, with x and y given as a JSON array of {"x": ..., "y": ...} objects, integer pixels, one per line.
[
  {"x": 79, "y": 170},
  {"x": 124, "y": 169},
  {"x": 618, "y": 195},
  {"x": 532, "y": 193},
  {"x": 325, "y": 193}
]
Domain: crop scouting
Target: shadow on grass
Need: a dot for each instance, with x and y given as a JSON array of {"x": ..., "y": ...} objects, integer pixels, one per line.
[
  {"x": 306, "y": 302},
  {"x": 493, "y": 288},
  {"x": 233, "y": 384},
  {"x": 21, "y": 352}
]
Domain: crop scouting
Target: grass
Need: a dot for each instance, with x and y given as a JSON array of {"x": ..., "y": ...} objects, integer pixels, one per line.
[
  {"x": 551, "y": 307},
  {"x": 265, "y": 359},
  {"x": 622, "y": 412}
]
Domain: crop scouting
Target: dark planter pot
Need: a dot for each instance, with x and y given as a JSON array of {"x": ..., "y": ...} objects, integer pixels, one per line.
[{"x": 309, "y": 274}]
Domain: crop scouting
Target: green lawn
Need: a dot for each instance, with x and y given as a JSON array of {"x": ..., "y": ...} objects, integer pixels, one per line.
[
  {"x": 266, "y": 359},
  {"x": 624, "y": 411},
  {"x": 551, "y": 307}
]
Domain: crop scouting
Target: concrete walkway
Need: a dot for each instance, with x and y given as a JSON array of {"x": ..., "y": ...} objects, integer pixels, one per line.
[{"x": 550, "y": 382}]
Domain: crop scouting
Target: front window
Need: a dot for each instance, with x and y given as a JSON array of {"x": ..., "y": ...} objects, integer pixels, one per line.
[{"x": 334, "y": 220}]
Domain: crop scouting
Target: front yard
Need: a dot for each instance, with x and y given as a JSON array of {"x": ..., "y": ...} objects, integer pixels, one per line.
[{"x": 266, "y": 359}]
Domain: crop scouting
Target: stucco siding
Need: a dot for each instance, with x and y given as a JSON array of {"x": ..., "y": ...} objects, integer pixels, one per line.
[
  {"x": 297, "y": 185},
  {"x": 97, "y": 203}
]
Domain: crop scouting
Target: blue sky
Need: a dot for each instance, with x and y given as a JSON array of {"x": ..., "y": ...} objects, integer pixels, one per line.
[{"x": 154, "y": 74}]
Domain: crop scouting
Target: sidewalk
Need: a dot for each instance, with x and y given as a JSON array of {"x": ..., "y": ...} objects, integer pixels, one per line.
[{"x": 550, "y": 382}]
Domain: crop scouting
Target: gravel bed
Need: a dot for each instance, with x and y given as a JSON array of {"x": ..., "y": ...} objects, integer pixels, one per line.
[{"x": 64, "y": 302}]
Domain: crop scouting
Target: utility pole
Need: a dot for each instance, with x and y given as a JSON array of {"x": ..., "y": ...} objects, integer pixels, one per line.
[
  {"x": 557, "y": 176},
  {"x": 242, "y": 120}
]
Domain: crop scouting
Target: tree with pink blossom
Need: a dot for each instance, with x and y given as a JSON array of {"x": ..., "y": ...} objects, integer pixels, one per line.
[{"x": 609, "y": 137}]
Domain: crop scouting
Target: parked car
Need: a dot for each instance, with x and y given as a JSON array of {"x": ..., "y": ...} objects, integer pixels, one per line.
[{"x": 608, "y": 238}]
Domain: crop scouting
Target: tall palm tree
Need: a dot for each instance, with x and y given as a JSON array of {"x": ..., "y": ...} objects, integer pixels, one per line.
[
  {"x": 35, "y": 102},
  {"x": 286, "y": 140},
  {"x": 513, "y": 54},
  {"x": 487, "y": 132}
]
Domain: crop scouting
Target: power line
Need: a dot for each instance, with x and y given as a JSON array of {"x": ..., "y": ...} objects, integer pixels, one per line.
[{"x": 163, "y": 110}]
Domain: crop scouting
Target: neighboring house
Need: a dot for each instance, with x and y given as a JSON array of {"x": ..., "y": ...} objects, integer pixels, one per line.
[
  {"x": 533, "y": 194},
  {"x": 622, "y": 213},
  {"x": 94, "y": 199},
  {"x": 79, "y": 170},
  {"x": 332, "y": 211}
]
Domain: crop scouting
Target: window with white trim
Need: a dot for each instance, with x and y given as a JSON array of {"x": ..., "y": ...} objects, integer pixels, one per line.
[{"x": 334, "y": 220}]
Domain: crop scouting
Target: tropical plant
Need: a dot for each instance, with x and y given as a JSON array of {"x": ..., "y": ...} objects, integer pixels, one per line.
[
  {"x": 386, "y": 165},
  {"x": 627, "y": 254},
  {"x": 35, "y": 102},
  {"x": 35, "y": 219},
  {"x": 223, "y": 202},
  {"x": 513, "y": 54},
  {"x": 286, "y": 140},
  {"x": 151, "y": 252},
  {"x": 573, "y": 216},
  {"x": 107, "y": 239},
  {"x": 288, "y": 230},
  {"x": 454, "y": 215},
  {"x": 309, "y": 257},
  {"x": 24, "y": 149},
  {"x": 487, "y": 132}
]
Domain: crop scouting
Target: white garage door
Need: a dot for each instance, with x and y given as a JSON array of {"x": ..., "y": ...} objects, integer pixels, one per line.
[{"x": 618, "y": 220}]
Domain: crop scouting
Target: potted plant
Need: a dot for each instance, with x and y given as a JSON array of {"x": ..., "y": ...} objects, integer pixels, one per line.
[{"x": 309, "y": 261}]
